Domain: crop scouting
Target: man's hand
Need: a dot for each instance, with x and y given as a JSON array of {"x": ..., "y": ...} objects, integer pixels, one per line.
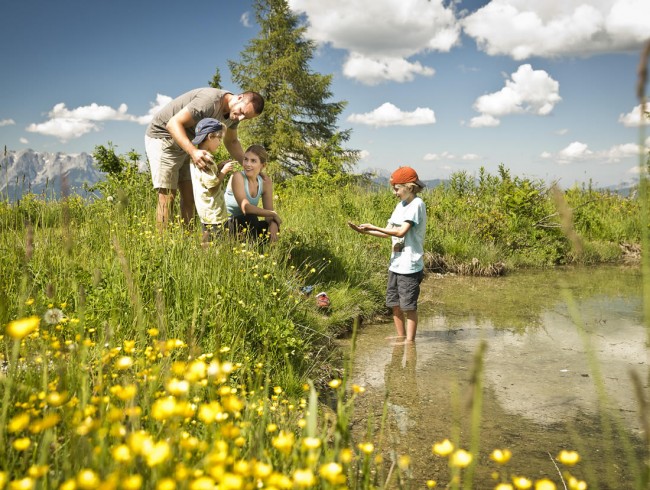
[{"x": 201, "y": 158}]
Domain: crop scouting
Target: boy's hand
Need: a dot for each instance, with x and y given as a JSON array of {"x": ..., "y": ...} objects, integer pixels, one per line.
[
  {"x": 227, "y": 166},
  {"x": 355, "y": 227}
]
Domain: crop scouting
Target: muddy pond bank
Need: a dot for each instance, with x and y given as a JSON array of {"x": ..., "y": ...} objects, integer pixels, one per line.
[{"x": 544, "y": 377}]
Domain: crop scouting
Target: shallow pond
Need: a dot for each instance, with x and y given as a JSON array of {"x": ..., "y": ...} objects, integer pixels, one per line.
[{"x": 547, "y": 384}]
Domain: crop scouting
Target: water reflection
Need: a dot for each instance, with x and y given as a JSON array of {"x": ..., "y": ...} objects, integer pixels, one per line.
[
  {"x": 541, "y": 372},
  {"x": 401, "y": 385}
]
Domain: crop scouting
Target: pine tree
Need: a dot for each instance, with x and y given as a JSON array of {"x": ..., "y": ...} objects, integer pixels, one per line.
[
  {"x": 216, "y": 80},
  {"x": 298, "y": 125}
]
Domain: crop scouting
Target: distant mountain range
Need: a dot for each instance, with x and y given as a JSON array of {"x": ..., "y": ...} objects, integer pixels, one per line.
[
  {"x": 27, "y": 171},
  {"x": 381, "y": 176}
]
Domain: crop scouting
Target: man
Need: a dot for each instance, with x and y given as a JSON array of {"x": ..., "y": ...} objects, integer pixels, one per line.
[{"x": 168, "y": 142}]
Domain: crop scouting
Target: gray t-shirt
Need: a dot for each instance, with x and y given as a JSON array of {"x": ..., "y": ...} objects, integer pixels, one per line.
[{"x": 201, "y": 102}]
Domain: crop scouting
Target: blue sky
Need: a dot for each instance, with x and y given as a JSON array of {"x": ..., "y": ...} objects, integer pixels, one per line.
[{"x": 546, "y": 88}]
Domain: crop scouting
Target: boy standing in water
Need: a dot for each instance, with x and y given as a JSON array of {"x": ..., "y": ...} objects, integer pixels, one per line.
[
  {"x": 406, "y": 228},
  {"x": 207, "y": 185}
]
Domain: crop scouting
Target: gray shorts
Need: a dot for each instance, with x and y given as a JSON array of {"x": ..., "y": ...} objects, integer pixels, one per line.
[
  {"x": 168, "y": 162},
  {"x": 403, "y": 290}
]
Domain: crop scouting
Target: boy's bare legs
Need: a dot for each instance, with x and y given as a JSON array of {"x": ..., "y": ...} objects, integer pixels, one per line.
[
  {"x": 405, "y": 329},
  {"x": 398, "y": 320},
  {"x": 411, "y": 325}
]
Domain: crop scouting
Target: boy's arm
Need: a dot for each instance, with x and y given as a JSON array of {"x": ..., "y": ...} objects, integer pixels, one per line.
[
  {"x": 366, "y": 231},
  {"x": 223, "y": 169},
  {"x": 397, "y": 232}
]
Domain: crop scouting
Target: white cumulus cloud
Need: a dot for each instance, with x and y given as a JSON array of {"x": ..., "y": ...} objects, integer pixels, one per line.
[
  {"x": 633, "y": 118},
  {"x": 388, "y": 114},
  {"x": 526, "y": 28},
  {"x": 67, "y": 124},
  {"x": 381, "y": 34},
  {"x": 372, "y": 71},
  {"x": 154, "y": 107},
  {"x": 447, "y": 156},
  {"x": 528, "y": 91},
  {"x": 245, "y": 19},
  {"x": 578, "y": 151},
  {"x": 7, "y": 122}
]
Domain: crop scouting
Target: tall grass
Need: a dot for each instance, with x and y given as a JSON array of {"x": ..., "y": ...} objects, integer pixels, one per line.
[{"x": 136, "y": 359}]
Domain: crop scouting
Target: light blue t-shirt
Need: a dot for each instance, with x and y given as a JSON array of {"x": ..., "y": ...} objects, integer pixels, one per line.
[
  {"x": 411, "y": 257},
  {"x": 231, "y": 203}
]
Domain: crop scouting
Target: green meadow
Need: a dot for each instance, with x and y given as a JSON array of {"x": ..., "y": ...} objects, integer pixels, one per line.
[{"x": 137, "y": 359}]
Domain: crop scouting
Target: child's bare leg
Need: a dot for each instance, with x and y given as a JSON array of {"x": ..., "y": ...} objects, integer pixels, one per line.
[
  {"x": 411, "y": 325},
  {"x": 398, "y": 319}
]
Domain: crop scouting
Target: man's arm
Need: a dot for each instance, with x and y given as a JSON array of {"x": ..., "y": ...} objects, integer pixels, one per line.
[
  {"x": 232, "y": 144},
  {"x": 176, "y": 127}
]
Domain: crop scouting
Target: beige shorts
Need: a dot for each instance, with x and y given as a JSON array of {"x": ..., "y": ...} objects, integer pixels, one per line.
[{"x": 168, "y": 162}]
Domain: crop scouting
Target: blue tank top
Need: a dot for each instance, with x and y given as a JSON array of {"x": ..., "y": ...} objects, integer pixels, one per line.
[{"x": 231, "y": 203}]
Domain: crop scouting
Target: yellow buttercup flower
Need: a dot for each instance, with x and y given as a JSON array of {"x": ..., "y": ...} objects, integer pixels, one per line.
[
  {"x": 332, "y": 472},
  {"x": 545, "y": 484},
  {"x": 345, "y": 455},
  {"x": 304, "y": 478},
  {"x": 87, "y": 479},
  {"x": 461, "y": 458},
  {"x": 166, "y": 484},
  {"x": 159, "y": 453},
  {"x": 568, "y": 458},
  {"x": 444, "y": 448},
  {"x": 311, "y": 443},
  {"x": 19, "y": 329},
  {"x": 124, "y": 363},
  {"x": 335, "y": 383},
  {"x": 431, "y": 484},
  {"x": 521, "y": 483},
  {"x": 121, "y": 453},
  {"x": 283, "y": 442},
  {"x": 131, "y": 482},
  {"x": 37, "y": 471},
  {"x": 202, "y": 483},
  {"x": 262, "y": 470},
  {"x": 22, "y": 444},
  {"x": 178, "y": 387},
  {"x": 501, "y": 456},
  {"x": 366, "y": 447},
  {"x": 164, "y": 408},
  {"x": 57, "y": 399},
  {"x": 18, "y": 423},
  {"x": 22, "y": 484},
  {"x": 504, "y": 486},
  {"x": 575, "y": 484}
]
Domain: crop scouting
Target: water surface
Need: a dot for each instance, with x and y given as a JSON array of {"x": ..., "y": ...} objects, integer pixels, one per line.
[{"x": 556, "y": 373}]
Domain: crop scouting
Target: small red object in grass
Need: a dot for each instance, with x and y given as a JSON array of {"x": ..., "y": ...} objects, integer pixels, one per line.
[{"x": 322, "y": 300}]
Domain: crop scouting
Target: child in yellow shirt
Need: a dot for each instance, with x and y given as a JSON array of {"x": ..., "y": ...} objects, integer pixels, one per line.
[{"x": 208, "y": 185}]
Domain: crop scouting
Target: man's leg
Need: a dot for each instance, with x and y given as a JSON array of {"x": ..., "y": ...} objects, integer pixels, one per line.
[
  {"x": 165, "y": 205},
  {"x": 187, "y": 201}
]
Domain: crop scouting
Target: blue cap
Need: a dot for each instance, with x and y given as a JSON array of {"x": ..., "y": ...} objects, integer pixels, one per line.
[{"x": 204, "y": 128}]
